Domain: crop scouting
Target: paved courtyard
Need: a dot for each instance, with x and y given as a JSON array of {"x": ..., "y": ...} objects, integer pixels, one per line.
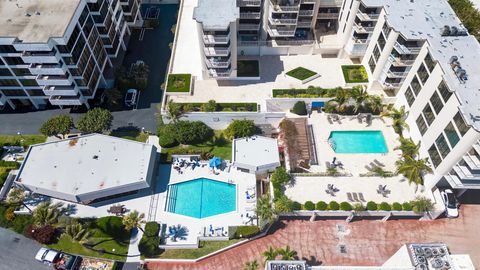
[{"x": 369, "y": 243}]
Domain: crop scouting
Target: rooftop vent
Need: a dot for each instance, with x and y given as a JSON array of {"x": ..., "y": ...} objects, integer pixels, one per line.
[
  {"x": 453, "y": 31},
  {"x": 95, "y": 157},
  {"x": 342, "y": 249}
]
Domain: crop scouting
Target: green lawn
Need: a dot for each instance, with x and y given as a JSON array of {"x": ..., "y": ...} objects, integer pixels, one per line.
[
  {"x": 219, "y": 146},
  {"x": 179, "y": 82},
  {"x": 354, "y": 74},
  {"x": 206, "y": 247},
  {"x": 301, "y": 73},
  {"x": 25, "y": 140},
  {"x": 248, "y": 68},
  {"x": 133, "y": 135}
]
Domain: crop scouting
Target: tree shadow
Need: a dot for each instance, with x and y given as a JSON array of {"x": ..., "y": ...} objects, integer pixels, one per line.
[
  {"x": 132, "y": 131},
  {"x": 312, "y": 261}
]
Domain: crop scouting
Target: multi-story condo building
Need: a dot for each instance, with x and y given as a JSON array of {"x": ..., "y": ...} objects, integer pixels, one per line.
[
  {"x": 56, "y": 52},
  {"x": 420, "y": 56}
]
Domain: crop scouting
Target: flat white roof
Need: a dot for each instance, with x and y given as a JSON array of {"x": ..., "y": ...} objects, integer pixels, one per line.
[
  {"x": 216, "y": 15},
  {"x": 85, "y": 164},
  {"x": 35, "y": 21},
  {"x": 255, "y": 151}
]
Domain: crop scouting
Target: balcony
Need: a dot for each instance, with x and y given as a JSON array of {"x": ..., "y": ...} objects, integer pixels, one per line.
[
  {"x": 306, "y": 24},
  {"x": 357, "y": 49},
  {"x": 210, "y": 51},
  {"x": 40, "y": 57},
  {"x": 331, "y": 3},
  {"x": 363, "y": 29},
  {"x": 361, "y": 40},
  {"x": 392, "y": 86},
  {"x": 279, "y": 8},
  {"x": 47, "y": 69},
  {"x": 54, "y": 80},
  {"x": 392, "y": 74},
  {"x": 211, "y": 39},
  {"x": 214, "y": 63},
  {"x": 308, "y": 1},
  {"x": 248, "y": 3},
  {"x": 281, "y": 33},
  {"x": 275, "y": 21},
  {"x": 305, "y": 13},
  {"x": 3, "y": 100},
  {"x": 327, "y": 16},
  {"x": 402, "y": 49},
  {"x": 66, "y": 100},
  {"x": 250, "y": 15},
  {"x": 398, "y": 62},
  {"x": 248, "y": 27},
  {"x": 367, "y": 17},
  {"x": 60, "y": 90},
  {"x": 219, "y": 74}
]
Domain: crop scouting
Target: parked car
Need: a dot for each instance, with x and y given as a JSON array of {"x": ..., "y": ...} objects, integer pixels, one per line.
[
  {"x": 131, "y": 97},
  {"x": 451, "y": 203},
  {"x": 47, "y": 256}
]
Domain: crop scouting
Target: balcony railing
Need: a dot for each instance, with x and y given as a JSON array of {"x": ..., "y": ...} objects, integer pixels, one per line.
[
  {"x": 363, "y": 29},
  {"x": 304, "y": 24},
  {"x": 216, "y": 52},
  {"x": 392, "y": 74},
  {"x": 331, "y": 3},
  {"x": 368, "y": 17},
  {"x": 398, "y": 62},
  {"x": 281, "y": 33},
  {"x": 211, "y": 39},
  {"x": 305, "y": 13},
  {"x": 66, "y": 100},
  {"x": 248, "y": 27},
  {"x": 326, "y": 15},
  {"x": 290, "y": 8},
  {"x": 361, "y": 41},
  {"x": 212, "y": 63},
  {"x": 308, "y": 1},
  {"x": 402, "y": 49},
  {"x": 215, "y": 74},
  {"x": 248, "y": 3},
  {"x": 275, "y": 21},
  {"x": 250, "y": 15},
  {"x": 388, "y": 85}
]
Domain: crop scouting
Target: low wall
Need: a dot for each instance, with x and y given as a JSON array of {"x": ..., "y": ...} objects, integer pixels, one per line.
[
  {"x": 384, "y": 215},
  {"x": 285, "y": 104}
]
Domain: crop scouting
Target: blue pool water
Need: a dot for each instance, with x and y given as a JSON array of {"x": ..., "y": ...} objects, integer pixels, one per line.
[
  {"x": 358, "y": 142},
  {"x": 202, "y": 197}
]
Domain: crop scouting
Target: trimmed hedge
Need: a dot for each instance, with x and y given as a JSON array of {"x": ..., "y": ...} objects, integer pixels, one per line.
[
  {"x": 384, "y": 206},
  {"x": 220, "y": 107},
  {"x": 397, "y": 206},
  {"x": 296, "y": 206},
  {"x": 372, "y": 206},
  {"x": 321, "y": 206},
  {"x": 354, "y": 73},
  {"x": 345, "y": 206},
  {"x": 309, "y": 205},
  {"x": 333, "y": 205},
  {"x": 246, "y": 231},
  {"x": 406, "y": 206},
  {"x": 152, "y": 229},
  {"x": 301, "y": 73},
  {"x": 299, "y": 108},
  {"x": 311, "y": 92}
]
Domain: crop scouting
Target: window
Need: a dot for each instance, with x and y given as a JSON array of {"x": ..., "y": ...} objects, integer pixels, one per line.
[
  {"x": 429, "y": 62},
  {"x": 35, "y": 92},
  {"x": 376, "y": 53},
  {"x": 29, "y": 82},
  {"x": 416, "y": 87},
  {"x": 442, "y": 145},
  {"x": 422, "y": 74},
  {"x": 14, "y": 61},
  {"x": 444, "y": 91},
  {"x": 7, "y": 49},
  {"x": 22, "y": 72},
  {"x": 8, "y": 82},
  {"x": 14, "y": 93},
  {"x": 421, "y": 124},
  {"x": 452, "y": 135},
  {"x": 436, "y": 102},
  {"x": 5, "y": 72},
  {"x": 409, "y": 96},
  {"x": 428, "y": 113},
  {"x": 462, "y": 127},
  {"x": 434, "y": 155},
  {"x": 386, "y": 30},
  {"x": 371, "y": 64},
  {"x": 381, "y": 41}
]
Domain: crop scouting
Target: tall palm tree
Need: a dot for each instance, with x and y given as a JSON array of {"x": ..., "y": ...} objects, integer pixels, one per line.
[
  {"x": 413, "y": 169},
  {"x": 375, "y": 103},
  {"x": 360, "y": 96},
  {"x": 265, "y": 209},
  {"x": 133, "y": 220},
  {"x": 408, "y": 147},
  {"x": 174, "y": 111},
  {"x": 422, "y": 204},
  {"x": 270, "y": 254},
  {"x": 252, "y": 265},
  {"x": 287, "y": 253},
  {"x": 46, "y": 213},
  {"x": 341, "y": 99},
  {"x": 77, "y": 232},
  {"x": 398, "y": 117}
]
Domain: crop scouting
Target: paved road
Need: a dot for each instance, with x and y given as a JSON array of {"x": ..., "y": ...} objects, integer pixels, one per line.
[{"x": 18, "y": 252}]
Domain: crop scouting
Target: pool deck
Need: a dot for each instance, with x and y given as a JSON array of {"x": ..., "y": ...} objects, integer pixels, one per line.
[{"x": 196, "y": 226}]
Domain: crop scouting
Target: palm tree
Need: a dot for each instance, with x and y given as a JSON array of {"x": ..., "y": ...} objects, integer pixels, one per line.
[
  {"x": 270, "y": 254},
  {"x": 287, "y": 253},
  {"x": 133, "y": 220},
  {"x": 408, "y": 147},
  {"x": 283, "y": 204},
  {"x": 252, "y": 265},
  {"x": 264, "y": 208},
  {"x": 174, "y": 111},
  {"x": 16, "y": 196},
  {"x": 77, "y": 232},
  {"x": 46, "y": 213},
  {"x": 413, "y": 169},
  {"x": 140, "y": 74},
  {"x": 360, "y": 96},
  {"x": 422, "y": 204},
  {"x": 375, "y": 103},
  {"x": 341, "y": 98},
  {"x": 114, "y": 97},
  {"x": 398, "y": 117}
]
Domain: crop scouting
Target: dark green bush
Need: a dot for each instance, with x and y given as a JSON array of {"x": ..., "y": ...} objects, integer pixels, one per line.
[
  {"x": 112, "y": 226},
  {"x": 10, "y": 164},
  {"x": 406, "y": 206},
  {"x": 148, "y": 246},
  {"x": 333, "y": 205},
  {"x": 296, "y": 206},
  {"x": 396, "y": 206},
  {"x": 167, "y": 136},
  {"x": 152, "y": 229},
  {"x": 384, "y": 206},
  {"x": 321, "y": 205},
  {"x": 240, "y": 129},
  {"x": 309, "y": 205},
  {"x": 299, "y": 108},
  {"x": 371, "y": 206},
  {"x": 192, "y": 132},
  {"x": 345, "y": 206},
  {"x": 246, "y": 231}
]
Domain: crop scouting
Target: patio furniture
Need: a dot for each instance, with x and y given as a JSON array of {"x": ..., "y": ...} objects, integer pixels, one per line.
[
  {"x": 349, "y": 196},
  {"x": 378, "y": 163},
  {"x": 360, "y": 195},
  {"x": 117, "y": 210},
  {"x": 355, "y": 197}
]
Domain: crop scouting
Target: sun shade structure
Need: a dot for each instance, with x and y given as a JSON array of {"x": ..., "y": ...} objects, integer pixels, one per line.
[
  {"x": 215, "y": 162},
  {"x": 255, "y": 154},
  {"x": 88, "y": 168}
]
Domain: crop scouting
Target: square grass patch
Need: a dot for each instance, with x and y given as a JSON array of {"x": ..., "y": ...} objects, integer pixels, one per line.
[
  {"x": 301, "y": 73},
  {"x": 179, "y": 82},
  {"x": 354, "y": 74},
  {"x": 248, "y": 68}
]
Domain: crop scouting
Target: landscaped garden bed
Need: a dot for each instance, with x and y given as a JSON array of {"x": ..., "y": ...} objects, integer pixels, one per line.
[
  {"x": 179, "y": 82},
  {"x": 301, "y": 73},
  {"x": 218, "y": 107},
  {"x": 355, "y": 74},
  {"x": 311, "y": 92},
  {"x": 248, "y": 68},
  {"x": 204, "y": 248}
]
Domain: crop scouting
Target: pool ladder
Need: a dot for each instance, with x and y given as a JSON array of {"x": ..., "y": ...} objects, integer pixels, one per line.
[{"x": 171, "y": 198}]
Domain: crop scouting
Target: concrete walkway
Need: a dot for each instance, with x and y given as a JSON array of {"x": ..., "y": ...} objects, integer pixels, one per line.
[
  {"x": 369, "y": 243},
  {"x": 133, "y": 251}
]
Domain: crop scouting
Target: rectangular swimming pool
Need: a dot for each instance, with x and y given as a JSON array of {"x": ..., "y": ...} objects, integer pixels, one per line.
[{"x": 358, "y": 142}]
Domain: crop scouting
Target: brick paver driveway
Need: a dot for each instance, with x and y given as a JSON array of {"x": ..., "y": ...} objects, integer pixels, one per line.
[{"x": 368, "y": 243}]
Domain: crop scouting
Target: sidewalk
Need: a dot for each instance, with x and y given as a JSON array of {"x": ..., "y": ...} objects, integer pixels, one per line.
[{"x": 133, "y": 252}]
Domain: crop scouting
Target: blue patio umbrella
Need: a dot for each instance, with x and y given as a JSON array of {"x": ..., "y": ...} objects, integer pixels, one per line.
[{"x": 215, "y": 162}]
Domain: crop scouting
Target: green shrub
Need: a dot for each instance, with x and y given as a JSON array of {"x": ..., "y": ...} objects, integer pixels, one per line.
[
  {"x": 321, "y": 205},
  {"x": 299, "y": 108},
  {"x": 240, "y": 129},
  {"x": 210, "y": 106},
  {"x": 192, "y": 132},
  {"x": 358, "y": 207},
  {"x": 333, "y": 205},
  {"x": 406, "y": 206},
  {"x": 246, "y": 231},
  {"x": 371, "y": 206},
  {"x": 167, "y": 135},
  {"x": 301, "y": 73},
  {"x": 280, "y": 176},
  {"x": 309, "y": 205},
  {"x": 296, "y": 206},
  {"x": 112, "y": 226},
  {"x": 384, "y": 206},
  {"x": 345, "y": 206},
  {"x": 396, "y": 206},
  {"x": 9, "y": 164},
  {"x": 152, "y": 229},
  {"x": 148, "y": 246}
]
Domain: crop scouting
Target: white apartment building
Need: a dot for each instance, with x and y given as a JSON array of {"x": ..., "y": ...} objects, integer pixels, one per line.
[{"x": 56, "y": 51}]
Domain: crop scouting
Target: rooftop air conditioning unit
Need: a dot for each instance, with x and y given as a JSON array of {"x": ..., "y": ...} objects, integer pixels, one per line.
[{"x": 446, "y": 31}]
